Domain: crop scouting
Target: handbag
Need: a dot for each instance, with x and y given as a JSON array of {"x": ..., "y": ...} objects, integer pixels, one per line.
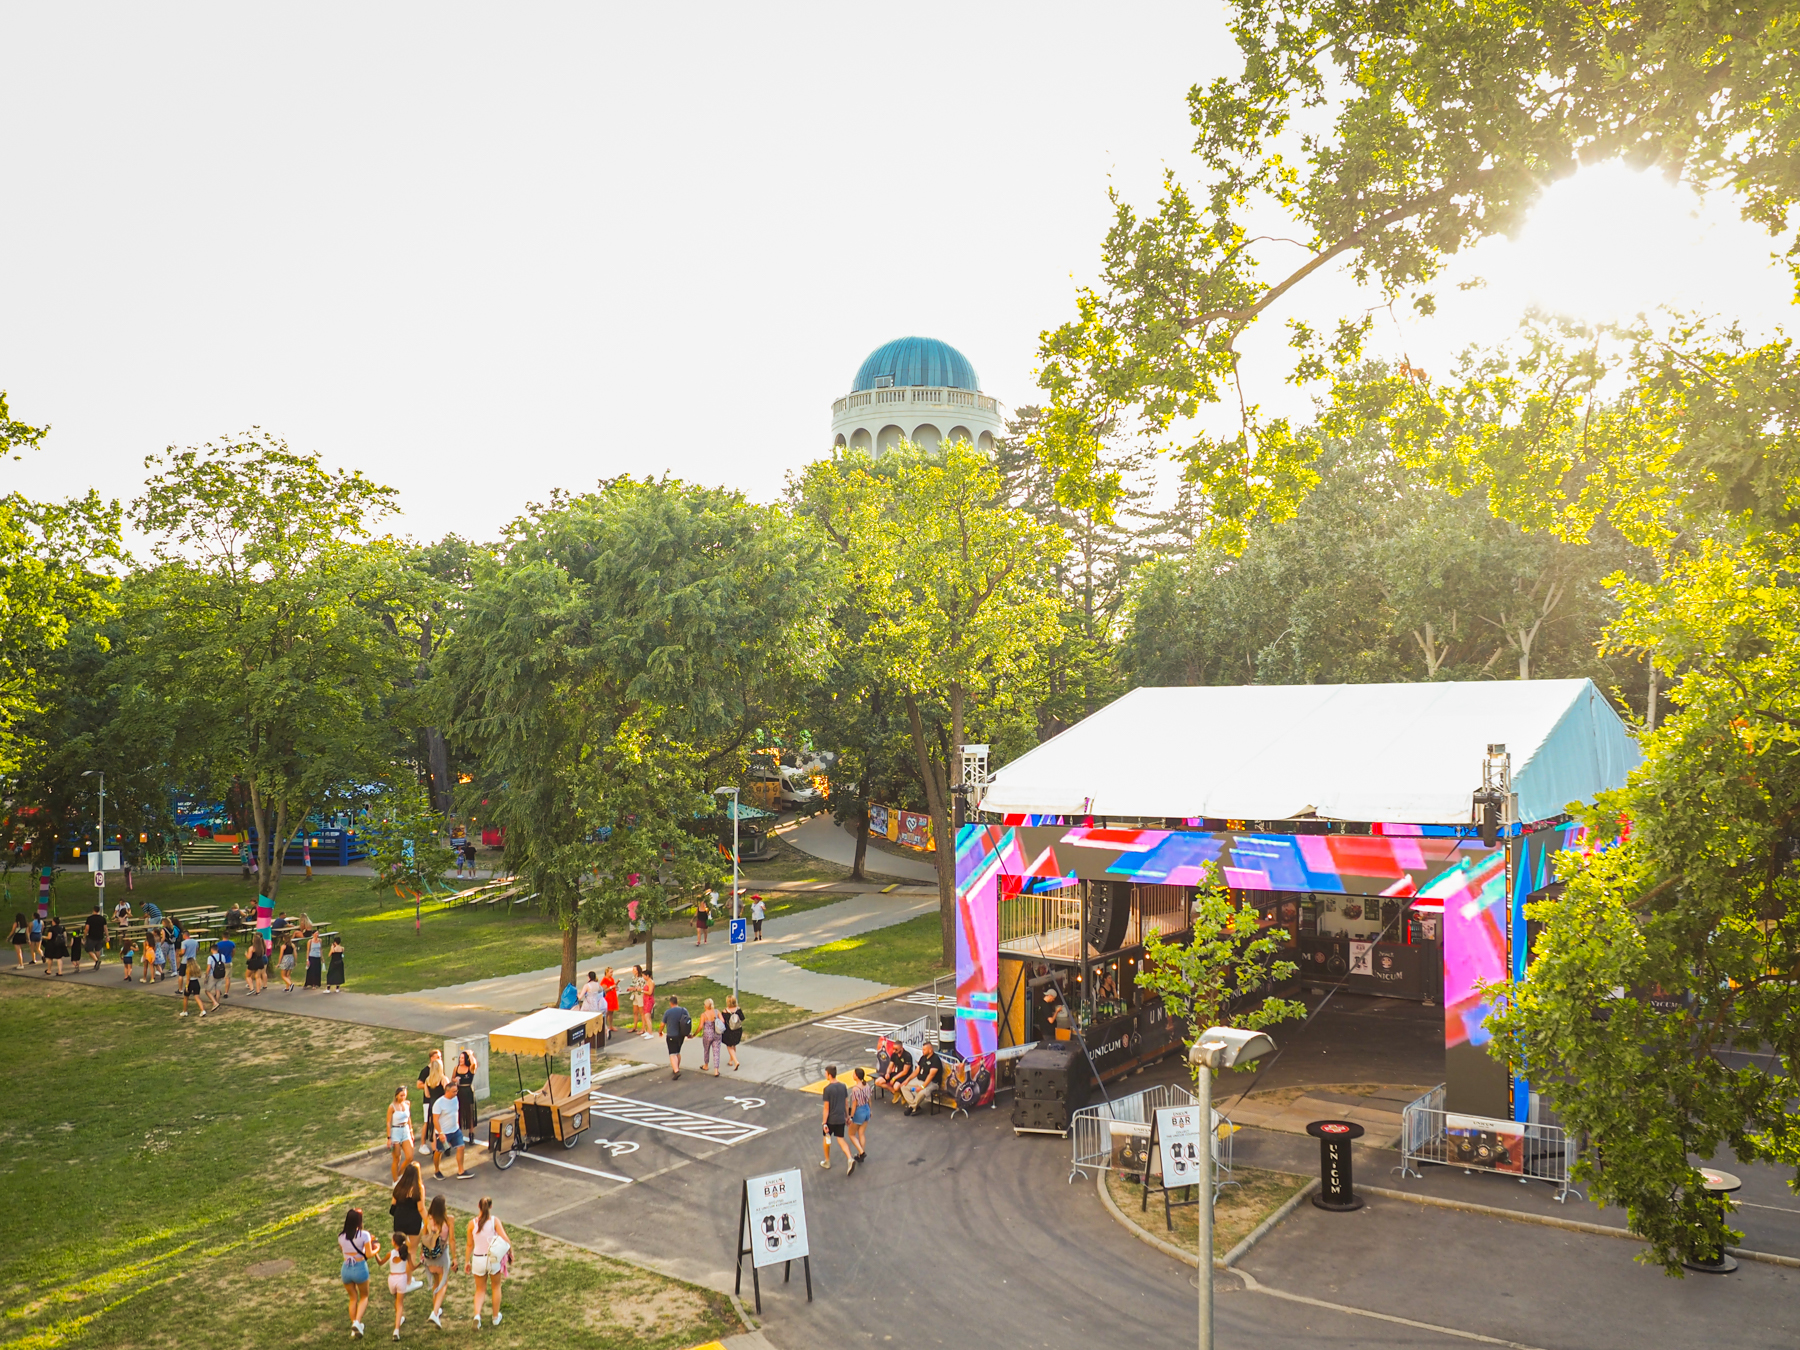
[{"x": 498, "y": 1250}]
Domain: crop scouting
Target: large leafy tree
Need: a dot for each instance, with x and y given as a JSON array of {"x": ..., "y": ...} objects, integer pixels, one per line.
[
  {"x": 56, "y": 574},
  {"x": 1382, "y": 143},
  {"x": 279, "y": 629},
  {"x": 955, "y": 584},
  {"x": 620, "y": 650}
]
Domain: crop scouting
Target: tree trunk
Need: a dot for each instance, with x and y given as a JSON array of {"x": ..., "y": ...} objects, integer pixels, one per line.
[
  {"x": 569, "y": 938},
  {"x": 437, "y": 761},
  {"x": 862, "y": 841},
  {"x": 1650, "y": 706},
  {"x": 649, "y": 949},
  {"x": 944, "y": 855}
]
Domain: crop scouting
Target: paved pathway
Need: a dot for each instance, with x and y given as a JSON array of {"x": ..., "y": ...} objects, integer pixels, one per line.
[
  {"x": 761, "y": 970},
  {"x": 478, "y": 1005},
  {"x": 823, "y": 837}
]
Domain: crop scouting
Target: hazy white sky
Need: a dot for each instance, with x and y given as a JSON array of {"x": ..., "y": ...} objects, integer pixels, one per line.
[{"x": 480, "y": 252}]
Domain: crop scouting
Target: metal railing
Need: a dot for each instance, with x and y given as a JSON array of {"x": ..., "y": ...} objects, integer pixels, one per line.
[
  {"x": 932, "y": 394},
  {"x": 1428, "y": 1135},
  {"x": 1096, "y": 1132}
]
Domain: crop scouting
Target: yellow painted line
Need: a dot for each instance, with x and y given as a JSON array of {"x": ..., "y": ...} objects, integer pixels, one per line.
[{"x": 710, "y": 1345}]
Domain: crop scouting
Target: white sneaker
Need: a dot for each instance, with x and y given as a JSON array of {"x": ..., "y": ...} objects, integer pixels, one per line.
[
  {"x": 437, "y": 1318},
  {"x": 411, "y": 1288},
  {"x": 497, "y": 1317}
]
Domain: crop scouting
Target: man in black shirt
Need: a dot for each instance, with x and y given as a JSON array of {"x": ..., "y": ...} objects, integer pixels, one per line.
[
  {"x": 924, "y": 1079},
  {"x": 837, "y": 1100},
  {"x": 899, "y": 1069},
  {"x": 677, "y": 1027},
  {"x": 96, "y": 934}
]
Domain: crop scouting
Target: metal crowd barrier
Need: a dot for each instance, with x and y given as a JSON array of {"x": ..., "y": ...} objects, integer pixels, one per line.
[
  {"x": 1096, "y": 1131},
  {"x": 1547, "y": 1152}
]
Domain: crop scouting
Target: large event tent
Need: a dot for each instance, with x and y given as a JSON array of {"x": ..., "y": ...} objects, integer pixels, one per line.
[{"x": 1352, "y": 752}]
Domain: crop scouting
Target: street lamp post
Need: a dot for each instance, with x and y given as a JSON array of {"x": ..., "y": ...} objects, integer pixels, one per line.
[
  {"x": 89, "y": 773},
  {"x": 1217, "y": 1048},
  {"x": 736, "y": 947}
]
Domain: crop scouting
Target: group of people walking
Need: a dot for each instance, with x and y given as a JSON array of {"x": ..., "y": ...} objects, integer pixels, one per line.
[
  {"x": 167, "y": 950},
  {"x": 423, "y": 1254},
  {"x": 449, "y": 1124}
]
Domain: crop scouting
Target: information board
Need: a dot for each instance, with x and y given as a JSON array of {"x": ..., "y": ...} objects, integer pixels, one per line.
[
  {"x": 777, "y": 1218},
  {"x": 1178, "y": 1141},
  {"x": 581, "y": 1061}
]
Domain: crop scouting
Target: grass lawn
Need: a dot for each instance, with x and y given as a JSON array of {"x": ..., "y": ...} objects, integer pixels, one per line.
[
  {"x": 903, "y": 954},
  {"x": 1240, "y": 1208},
  {"x": 760, "y": 1014},
  {"x": 164, "y": 1174}
]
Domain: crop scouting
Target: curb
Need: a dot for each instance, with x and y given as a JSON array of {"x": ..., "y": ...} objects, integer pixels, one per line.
[
  {"x": 1225, "y": 1262},
  {"x": 1552, "y": 1221}
]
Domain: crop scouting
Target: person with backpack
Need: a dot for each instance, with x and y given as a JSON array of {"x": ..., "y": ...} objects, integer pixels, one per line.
[
  {"x": 226, "y": 948},
  {"x": 734, "y": 1028},
  {"x": 677, "y": 1027},
  {"x": 215, "y": 976}
]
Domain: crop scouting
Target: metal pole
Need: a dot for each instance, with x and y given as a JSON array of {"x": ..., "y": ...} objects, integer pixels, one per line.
[
  {"x": 103, "y": 820},
  {"x": 736, "y": 947},
  {"x": 1205, "y": 1216}
]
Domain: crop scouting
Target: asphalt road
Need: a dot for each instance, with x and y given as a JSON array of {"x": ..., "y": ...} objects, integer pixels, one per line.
[{"x": 958, "y": 1233}]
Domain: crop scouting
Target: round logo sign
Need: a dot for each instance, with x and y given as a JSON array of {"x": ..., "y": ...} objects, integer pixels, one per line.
[{"x": 1334, "y": 1127}]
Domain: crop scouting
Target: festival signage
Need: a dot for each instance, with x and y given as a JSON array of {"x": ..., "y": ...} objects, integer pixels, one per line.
[
  {"x": 1486, "y": 1143},
  {"x": 581, "y": 1069},
  {"x": 777, "y": 1218},
  {"x": 1178, "y": 1142}
]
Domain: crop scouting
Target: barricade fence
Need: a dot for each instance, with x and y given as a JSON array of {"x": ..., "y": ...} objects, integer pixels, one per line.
[
  {"x": 1529, "y": 1152},
  {"x": 1102, "y": 1135}
]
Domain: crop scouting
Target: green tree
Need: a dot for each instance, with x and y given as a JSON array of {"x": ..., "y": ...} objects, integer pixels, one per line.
[
  {"x": 278, "y": 628},
  {"x": 55, "y": 573},
  {"x": 619, "y": 649},
  {"x": 408, "y": 848},
  {"x": 955, "y": 587},
  {"x": 1381, "y": 145},
  {"x": 1691, "y": 888},
  {"x": 1231, "y": 960}
]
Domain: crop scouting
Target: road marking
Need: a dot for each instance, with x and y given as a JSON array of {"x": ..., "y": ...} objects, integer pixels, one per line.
[
  {"x": 1255, "y": 1287},
  {"x": 618, "y": 1146},
  {"x": 672, "y": 1120},
  {"x": 928, "y": 1000},
  {"x": 573, "y": 1167},
  {"x": 860, "y": 1026},
  {"x": 747, "y": 1103}
]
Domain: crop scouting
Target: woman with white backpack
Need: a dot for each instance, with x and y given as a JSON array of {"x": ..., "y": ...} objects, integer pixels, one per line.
[{"x": 490, "y": 1253}]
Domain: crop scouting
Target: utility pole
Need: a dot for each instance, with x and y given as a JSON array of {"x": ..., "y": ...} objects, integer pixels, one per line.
[{"x": 736, "y": 947}]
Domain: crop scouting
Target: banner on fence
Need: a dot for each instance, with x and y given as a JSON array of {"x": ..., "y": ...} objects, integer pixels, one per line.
[
  {"x": 1481, "y": 1141},
  {"x": 911, "y": 828}
]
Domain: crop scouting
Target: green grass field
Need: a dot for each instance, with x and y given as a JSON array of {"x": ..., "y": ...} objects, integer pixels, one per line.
[
  {"x": 165, "y": 1181},
  {"x": 383, "y": 954},
  {"x": 905, "y": 954}
]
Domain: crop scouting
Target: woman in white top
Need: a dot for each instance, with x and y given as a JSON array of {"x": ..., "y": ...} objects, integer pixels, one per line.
[
  {"x": 357, "y": 1247},
  {"x": 487, "y": 1268},
  {"x": 399, "y": 1130}
]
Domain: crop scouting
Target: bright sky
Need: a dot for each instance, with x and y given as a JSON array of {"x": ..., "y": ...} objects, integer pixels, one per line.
[{"x": 481, "y": 252}]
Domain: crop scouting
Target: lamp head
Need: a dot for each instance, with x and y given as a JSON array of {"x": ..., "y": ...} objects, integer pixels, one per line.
[
  {"x": 720, "y": 790},
  {"x": 1228, "y": 1047}
]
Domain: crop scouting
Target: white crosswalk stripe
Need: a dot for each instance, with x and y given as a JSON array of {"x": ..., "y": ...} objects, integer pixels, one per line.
[
  {"x": 860, "y": 1026},
  {"x": 672, "y": 1119},
  {"x": 928, "y": 1000}
]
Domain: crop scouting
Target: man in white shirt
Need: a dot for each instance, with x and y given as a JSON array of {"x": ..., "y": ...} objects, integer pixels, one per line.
[{"x": 447, "y": 1135}]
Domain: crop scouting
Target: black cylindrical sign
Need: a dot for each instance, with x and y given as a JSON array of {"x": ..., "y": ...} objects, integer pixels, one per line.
[{"x": 1336, "y": 1190}]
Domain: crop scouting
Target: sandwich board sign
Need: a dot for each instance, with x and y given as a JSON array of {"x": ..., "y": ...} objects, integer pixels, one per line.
[
  {"x": 581, "y": 1062},
  {"x": 772, "y": 1229}
]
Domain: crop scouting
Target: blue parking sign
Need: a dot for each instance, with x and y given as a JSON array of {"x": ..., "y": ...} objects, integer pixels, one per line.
[{"x": 740, "y": 930}]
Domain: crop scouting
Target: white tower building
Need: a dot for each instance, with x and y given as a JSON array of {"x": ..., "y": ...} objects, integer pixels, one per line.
[{"x": 915, "y": 389}]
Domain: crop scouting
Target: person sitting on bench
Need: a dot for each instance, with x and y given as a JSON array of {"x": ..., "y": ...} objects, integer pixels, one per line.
[
  {"x": 899, "y": 1069},
  {"x": 925, "y": 1079}
]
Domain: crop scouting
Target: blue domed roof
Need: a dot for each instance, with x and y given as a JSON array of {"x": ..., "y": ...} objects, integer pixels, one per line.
[{"x": 916, "y": 361}]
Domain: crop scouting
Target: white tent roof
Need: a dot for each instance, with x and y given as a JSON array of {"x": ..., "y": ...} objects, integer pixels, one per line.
[{"x": 1364, "y": 752}]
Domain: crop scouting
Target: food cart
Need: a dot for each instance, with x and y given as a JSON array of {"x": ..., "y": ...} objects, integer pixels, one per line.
[{"x": 558, "y": 1110}]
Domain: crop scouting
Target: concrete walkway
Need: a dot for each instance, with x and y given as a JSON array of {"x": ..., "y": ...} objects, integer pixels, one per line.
[
  {"x": 761, "y": 970},
  {"x": 823, "y": 837}
]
